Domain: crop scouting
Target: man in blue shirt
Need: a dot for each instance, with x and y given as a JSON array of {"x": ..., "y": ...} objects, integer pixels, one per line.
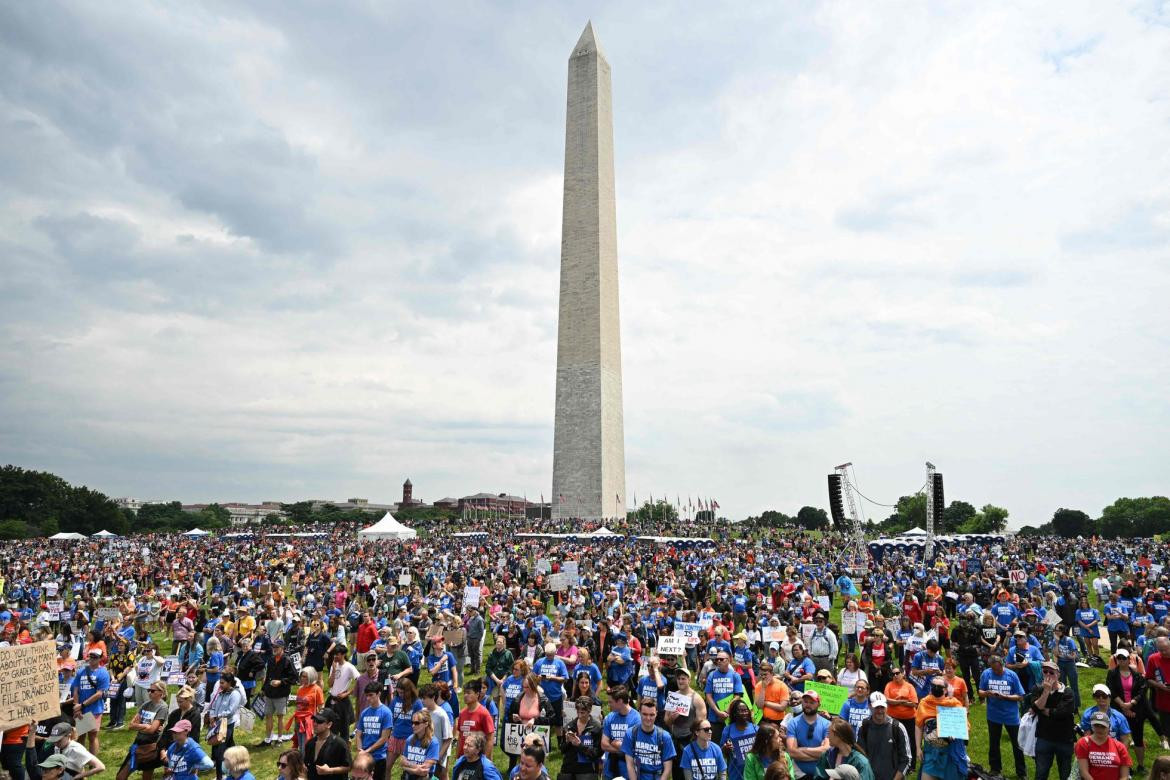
[
  {"x": 373, "y": 727},
  {"x": 648, "y": 749},
  {"x": 1024, "y": 659},
  {"x": 620, "y": 669},
  {"x": 1006, "y": 613},
  {"x": 808, "y": 734},
  {"x": 1116, "y": 621},
  {"x": 89, "y": 691},
  {"x": 621, "y": 720},
  {"x": 553, "y": 673},
  {"x": 1002, "y": 691},
  {"x": 721, "y": 683},
  {"x": 925, "y": 665}
]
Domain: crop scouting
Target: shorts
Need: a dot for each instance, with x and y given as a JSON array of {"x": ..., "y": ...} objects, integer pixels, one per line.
[
  {"x": 275, "y": 706},
  {"x": 558, "y": 708},
  {"x": 396, "y": 746}
]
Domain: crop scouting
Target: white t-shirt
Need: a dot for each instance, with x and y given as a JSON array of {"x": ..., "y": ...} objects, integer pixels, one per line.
[
  {"x": 76, "y": 757},
  {"x": 340, "y": 679}
]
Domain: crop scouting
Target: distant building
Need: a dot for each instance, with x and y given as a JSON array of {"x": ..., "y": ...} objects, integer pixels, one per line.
[
  {"x": 352, "y": 504},
  {"x": 243, "y": 514},
  {"x": 538, "y": 511},
  {"x": 447, "y": 503},
  {"x": 134, "y": 504},
  {"x": 408, "y": 498},
  {"x": 482, "y": 504}
]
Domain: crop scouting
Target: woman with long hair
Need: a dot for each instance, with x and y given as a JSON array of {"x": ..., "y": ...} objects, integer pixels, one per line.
[
  {"x": 403, "y": 706},
  {"x": 851, "y": 672},
  {"x": 421, "y": 753},
  {"x": 768, "y": 747}
]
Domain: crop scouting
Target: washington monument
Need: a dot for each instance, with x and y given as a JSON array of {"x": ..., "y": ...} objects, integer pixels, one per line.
[{"x": 589, "y": 454}]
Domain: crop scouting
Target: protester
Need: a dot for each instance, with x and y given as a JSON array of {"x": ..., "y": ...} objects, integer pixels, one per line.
[
  {"x": 885, "y": 742},
  {"x": 1052, "y": 703},
  {"x": 326, "y": 754},
  {"x": 1100, "y": 756}
]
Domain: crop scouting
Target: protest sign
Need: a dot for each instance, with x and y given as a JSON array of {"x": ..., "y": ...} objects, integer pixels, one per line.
[
  {"x": 706, "y": 621},
  {"x": 572, "y": 571},
  {"x": 543, "y": 565},
  {"x": 55, "y": 608},
  {"x": 558, "y": 582},
  {"x": 51, "y": 590},
  {"x": 688, "y": 631},
  {"x": 1017, "y": 576},
  {"x": 832, "y": 696},
  {"x": 1052, "y": 618},
  {"x": 825, "y": 604},
  {"x": 952, "y": 722},
  {"x": 806, "y": 632},
  {"x": 672, "y": 645},
  {"x": 28, "y": 684},
  {"x": 296, "y": 660},
  {"x": 849, "y": 622},
  {"x": 107, "y": 613},
  {"x": 778, "y": 634},
  {"x": 514, "y": 734},
  {"x": 172, "y": 671},
  {"x": 404, "y": 579},
  {"x": 677, "y": 702},
  {"x": 471, "y": 596}
]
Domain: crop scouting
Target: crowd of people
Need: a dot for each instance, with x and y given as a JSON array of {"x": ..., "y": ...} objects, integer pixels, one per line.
[{"x": 486, "y": 657}]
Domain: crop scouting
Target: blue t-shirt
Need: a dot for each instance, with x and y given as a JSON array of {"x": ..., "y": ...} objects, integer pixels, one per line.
[
  {"x": 723, "y": 684},
  {"x": 855, "y": 712},
  {"x": 808, "y": 735},
  {"x": 593, "y": 672},
  {"x": 614, "y": 728},
  {"x": 741, "y": 744},
  {"x": 402, "y": 716},
  {"x": 1092, "y": 619},
  {"x": 1005, "y": 613},
  {"x": 649, "y": 751},
  {"x": 87, "y": 682},
  {"x": 553, "y": 668},
  {"x": 1002, "y": 711},
  {"x": 922, "y": 660},
  {"x": 371, "y": 723},
  {"x": 513, "y": 689},
  {"x": 416, "y": 753},
  {"x": 1117, "y": 624},
  {"x": 704, "y": 764},
  {"x": 648, "y": 689},
  {"x": 807, "y": 668},
  {"x": 444, "y": 673}
]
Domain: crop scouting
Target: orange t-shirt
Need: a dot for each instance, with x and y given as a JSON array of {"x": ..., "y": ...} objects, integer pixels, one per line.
[
  {"x": 16, "y": 736},
  {"x": 776, "y": 693},
  {"x": 903, "y": 690},
  {"x": 958, "y": 687},
  {"x": 310, "y": 699}
]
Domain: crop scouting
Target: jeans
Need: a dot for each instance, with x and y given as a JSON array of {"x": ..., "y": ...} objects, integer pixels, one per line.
[
  {"x": 118, "y": 705},
  {"x": 12, "y": 759},
  {"x": 970, "y": 668},
  {"x": 994, "y": 730},
  {"x": 1046, "y": 751}
]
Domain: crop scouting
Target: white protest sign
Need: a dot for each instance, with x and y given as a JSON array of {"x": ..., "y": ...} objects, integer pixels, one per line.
[
  {"x": 107, "y": 613},
  {"x": 778, "y": 634},
  {"x": 825, "y": 603},
  {"x": 806, "y": 632},
  {"x": 514, "y": 734},
  {"x": 404, "y": 578},
  {"x": 689, "y": 632},
  {"x": 471, "y": 596},
  {"x": 543, "y": 565},
  {"x": 51, "y": 589},
  {"x": 28, "y": 684},
  {"x": 558, "y": 582},
  {"x": 677, "y": 702},
  {"x": 572, "y": 571},
  {"x": 55, "y": 608},
  {"x": 848, "y": 622},
  {"x": 672, "y": 645},
  {"x": 706, "y": 621},
  {"x": 1017, "y": 576},
  {"x": 952, "y": 722}
]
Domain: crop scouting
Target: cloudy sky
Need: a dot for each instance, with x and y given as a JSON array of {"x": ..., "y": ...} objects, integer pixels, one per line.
[{"x": 278, "y": 250}]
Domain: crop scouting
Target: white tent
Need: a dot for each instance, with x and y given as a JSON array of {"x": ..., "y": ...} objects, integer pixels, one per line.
[
  {"x": 602, "y": 533},
  {"x": 67, "y": 537},
  {"x": 104, "y": 534},
  {"x": 197, "y": 532},
  {"x": 913, "y": 532},
  {"x": 387, "y": 528}
]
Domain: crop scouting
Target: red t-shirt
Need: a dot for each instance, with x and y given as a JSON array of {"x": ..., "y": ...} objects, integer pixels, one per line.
[
  {"x": 1158, "y": 668},
  {"x": 1105, "y": 761},
  {"x": 479, "y": 720}
]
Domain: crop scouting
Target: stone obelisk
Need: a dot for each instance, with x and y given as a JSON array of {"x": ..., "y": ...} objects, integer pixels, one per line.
[{"x": 589, "y": 456}]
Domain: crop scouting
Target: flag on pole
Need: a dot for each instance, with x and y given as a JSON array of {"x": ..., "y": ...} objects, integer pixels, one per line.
[{"x": 714, "y": 504}]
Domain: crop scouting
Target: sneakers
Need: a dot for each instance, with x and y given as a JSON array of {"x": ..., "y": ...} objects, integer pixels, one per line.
[
  {"x": 268, "y": 740},
  {"x": 1165, "y": 743},
  {"x": 285, "y": 737}
]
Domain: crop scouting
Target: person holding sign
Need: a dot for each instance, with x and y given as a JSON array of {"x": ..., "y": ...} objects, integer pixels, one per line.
[
  {"x": 684, "y": 708},
  {"x": 722, "y": 683},
  {"x": 89, "y": 689},
  {"x": 648, "y": 749}
]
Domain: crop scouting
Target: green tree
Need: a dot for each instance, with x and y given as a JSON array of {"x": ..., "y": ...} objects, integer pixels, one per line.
[
  {"x": 88, "y": 511},
  {"x": 1132, "y": 517},
  {"x": 13, "y": 529},
  {"x": 1071, "y": 523},
  {"x": 299, "y": 513},
  {"x": 812, "y": 518},
  {"x": 955, "y": 516},
  {"x": 1031, "y": 530},
  {"x": 158, "y": 518},
  {"x": 212, "y": 517},
  {"x": 659, "y": 512},
  {"x": 990, "y": 519}
]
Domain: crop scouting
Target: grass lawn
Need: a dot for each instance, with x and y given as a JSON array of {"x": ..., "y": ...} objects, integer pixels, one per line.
[{"x": 114, "y": 745}]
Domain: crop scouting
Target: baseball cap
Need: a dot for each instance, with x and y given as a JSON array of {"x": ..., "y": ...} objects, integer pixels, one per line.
[
  {"x": 844, "y": 772},
  {"x": 326, "y": 715},
  {"x": 1099, "y": 718},
  {"x": 1049, "y": 665},
  {"x": 1122, "y": 653},
  {"x": 59, "y": 731},
  {"x": 811, "y": 695},
  {"x": 774, "y": 646},
  {"x": 53, "y": 762},
  {"x": 183, "y": 725},
  {"x": 877, "y": 700},
  {"x": 278, "y": 643},
  {"x": 94, "y": 653},
  {"x": 1099, "y": 688}
]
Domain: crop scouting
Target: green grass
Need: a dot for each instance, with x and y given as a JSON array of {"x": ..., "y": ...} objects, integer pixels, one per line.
[{"x": 115, "y": 744}]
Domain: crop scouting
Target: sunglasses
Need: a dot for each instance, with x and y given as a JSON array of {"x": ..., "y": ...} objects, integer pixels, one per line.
[
  {"x": 281, "y": 764},
  {"x": 419, "y": 722},
  {"x": 705, "y": 728}
]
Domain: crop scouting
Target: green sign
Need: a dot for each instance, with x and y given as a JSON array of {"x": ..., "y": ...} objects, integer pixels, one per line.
[{"x": 832, "y": 696}]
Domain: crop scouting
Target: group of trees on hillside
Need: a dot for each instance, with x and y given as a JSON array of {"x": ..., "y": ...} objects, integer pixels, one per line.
[{"x": 1124, "y": 518}]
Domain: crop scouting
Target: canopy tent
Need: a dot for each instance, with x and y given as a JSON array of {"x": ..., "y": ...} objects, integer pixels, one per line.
[
  {"x": 915, "y": 531},
  {"x": 197, "y": 532},
  {"x": 387, "y": 528},
  {"x": 602, "y": 533},
  {"x": 104, "y": 534},
  {"x": 67, "y": 537}
]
